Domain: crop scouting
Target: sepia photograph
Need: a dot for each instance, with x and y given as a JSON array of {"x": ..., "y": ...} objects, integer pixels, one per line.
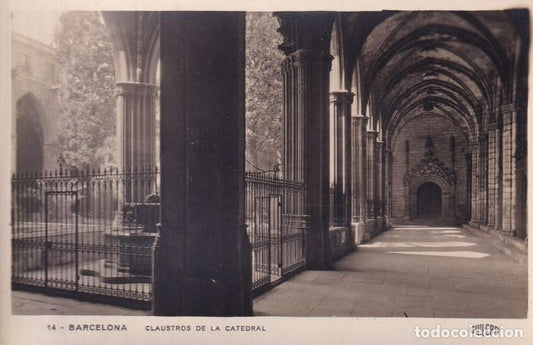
[{"x": 364, "y": 166}]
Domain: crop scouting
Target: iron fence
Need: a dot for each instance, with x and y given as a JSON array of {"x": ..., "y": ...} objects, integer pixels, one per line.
[
  {"x": 86, "y": 232},
  {"x": 276, "y": 225},
  {"x": 91, "y": 234}
]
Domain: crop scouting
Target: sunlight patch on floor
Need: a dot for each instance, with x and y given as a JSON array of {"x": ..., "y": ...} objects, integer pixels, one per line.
[
  {"x": 428, "y": 228},
  {"x": 419, "y": 244},
  {"x": 458, "y": 254}
]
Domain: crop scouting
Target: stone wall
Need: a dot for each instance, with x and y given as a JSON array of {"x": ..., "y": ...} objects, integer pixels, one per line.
[
  {"x": 416, "y": 132},
  {"x": 33, "y": 86}
]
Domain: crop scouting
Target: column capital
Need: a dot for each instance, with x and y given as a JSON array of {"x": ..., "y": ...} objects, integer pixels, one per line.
[
  {"x": 508, "y": 108},
  {"x": 342, "y": 96},
  {"x": 493, "y": 126},
  {"x": 305, "y": 30},
  {"x": 305, "y": 57},
  {"x": 134, "y": 88},
  {"x": 372, "y": 133},
  {"x": 286, "y": 64},
  {"x": 360, "y": 120},
  {"x": 509, "y": 113}
]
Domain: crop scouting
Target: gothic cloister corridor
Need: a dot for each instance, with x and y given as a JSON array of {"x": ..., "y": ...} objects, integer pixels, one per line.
[
  {"x": 382, "y": 118},
  {"x": 408, "y": 271}
]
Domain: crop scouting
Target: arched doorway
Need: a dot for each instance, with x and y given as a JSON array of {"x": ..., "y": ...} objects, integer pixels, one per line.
[
  {"x": 429, "y": 201},
  {"x": 29, "y": 136}
]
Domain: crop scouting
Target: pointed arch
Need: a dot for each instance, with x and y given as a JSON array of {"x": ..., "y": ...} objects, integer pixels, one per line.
[{"x": 29, "y": 133}]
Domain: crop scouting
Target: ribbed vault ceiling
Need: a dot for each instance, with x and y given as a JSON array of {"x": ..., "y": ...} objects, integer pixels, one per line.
[{"x": 451, "y": 64}]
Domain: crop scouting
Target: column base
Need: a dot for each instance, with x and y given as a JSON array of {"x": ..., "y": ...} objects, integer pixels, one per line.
[
  {"x": 473, "y": 223},
  {"x": 370, "y": 230},
  {"x": 338, "y": 242},
  {"x": 484, "y": 227},
  {"x": 387, "y": 222},
  {"x": 380, "y": 225},
  {"x": 358, "y": 229}
]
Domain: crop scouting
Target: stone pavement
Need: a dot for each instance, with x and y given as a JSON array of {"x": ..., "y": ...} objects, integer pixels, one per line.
[
  {"x": 412, "y": 271},
  {"x": 409, "y": 271},
  {"x": 29, "y": 303}
]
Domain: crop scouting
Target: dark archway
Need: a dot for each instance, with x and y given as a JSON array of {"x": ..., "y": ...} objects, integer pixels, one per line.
[
  {"x": 429, "y": 201},
  {"x": 29, "y": 135}
]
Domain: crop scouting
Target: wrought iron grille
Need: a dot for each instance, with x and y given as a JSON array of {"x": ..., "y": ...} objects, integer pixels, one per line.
[
  {"x": 276, "y": 225},
  {"x": 92, "y": 233},
  {"x": 86, "y": 232}
]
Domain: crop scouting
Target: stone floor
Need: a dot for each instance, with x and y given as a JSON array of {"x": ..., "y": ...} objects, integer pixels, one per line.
[
  {"x": 29, "y": 303},
  {"x": 410, "y": 271}
]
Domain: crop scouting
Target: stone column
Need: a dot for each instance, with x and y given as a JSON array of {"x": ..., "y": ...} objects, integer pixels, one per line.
[
  {"x": 482, "y": 179},
  {"x": 475, "y": 186},
  {"x": 135, "y": 39},
  {"x": 363, "y": 180},
  {"x": 407, "y": 212},
  {"x": 355, "y": 147},
  {"x": 378, "y": 191},
  {"x": 348, "y": 167},
  {"x": 468, "y": 159},
  {"x": 202, "y": 258},
  {"x": 136, "y": 135},
  {"x": 371, "y": 173},
  {"x": 371, "y": 183},
  {"x": 14, "y": 89},
  {"x": 312, "y": 83},
  {"x": 509, "y": 186},
  {"x": 387, "y": 156},
  {"x": 493, "y": 172},
  {"x": 359, "y": 167},
  {"x": 342, "y": 101},
  {"x": 306, "y": 111},
  {"x": 293, "y": 125}
]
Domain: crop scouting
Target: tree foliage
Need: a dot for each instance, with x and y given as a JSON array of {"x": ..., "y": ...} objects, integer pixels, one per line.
[
  {"x": 264, "y": 91},
  {"x": 86, "y": 92}
]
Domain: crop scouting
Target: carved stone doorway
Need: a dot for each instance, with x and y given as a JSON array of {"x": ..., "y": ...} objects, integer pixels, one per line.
[
  {"x": 436, "y": 194},
  {"x": 429, "y": 201}
]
